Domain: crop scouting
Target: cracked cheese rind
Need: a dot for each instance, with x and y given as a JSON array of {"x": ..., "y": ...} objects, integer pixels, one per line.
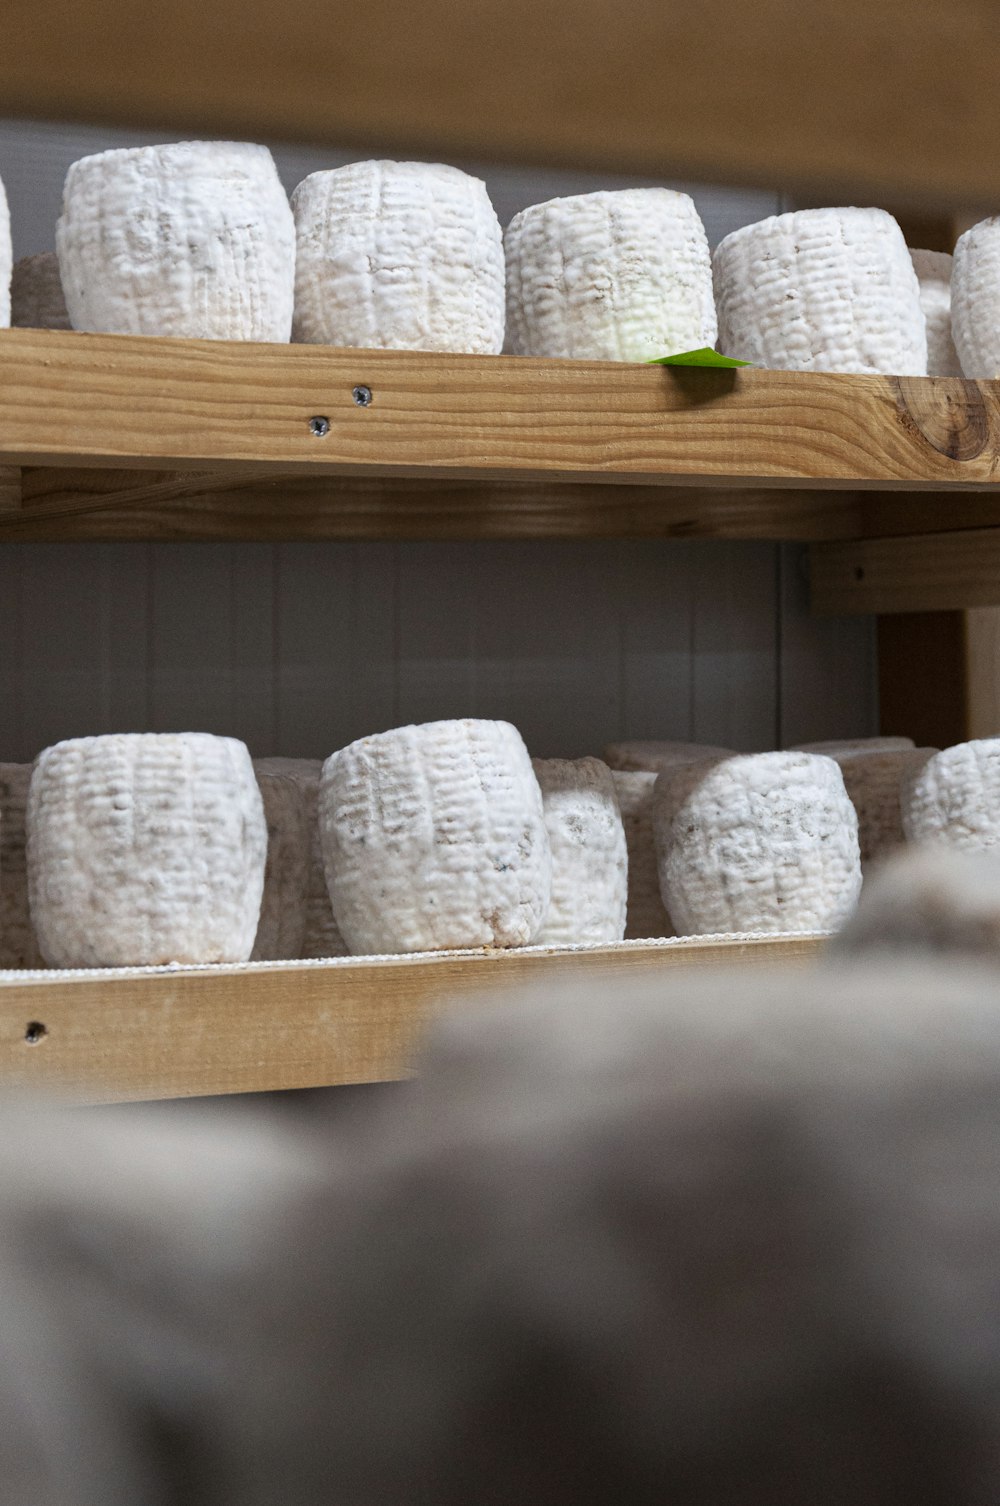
[
  {"x": 975, "y": 300},
  {"x": 321, "y": 935},
  {"x": 18, "y": 947},
  {"x": 929, "y": 899},
  {"x": 954, "y": 796},
  {"x": 651, "y": 757},
  {"x": 145, "y": 849},
  {"x": 933, "y": 269},
  {"x": 194, "y": 239},
  {"x": 434, "y": 838},
  {"x": 282, "y": 924},
  {"x": 821, "y": 290},
  {"x": 872, "y": 778},
  {"x": 646, "y": 914},
  {"x": 589, "y": 854},
  {"x": 766, "y": 842},
  {"x": 398, "y": 256},
  {"x": 36, "y": 294},
  {"x": 609, "y": 276}
]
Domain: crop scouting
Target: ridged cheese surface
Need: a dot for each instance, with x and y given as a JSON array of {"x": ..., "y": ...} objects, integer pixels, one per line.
[
  {"x": 18, "y": 947},
  {"x": 651, "y": 757},
  {"x": 321, "y": 935},
  {"x": 975, "y": 300},
  {"x": 954, "y": 796},
  {"x": 398, "y": 256},
  {"x": 36, "y": 294},
  {"x": 589, "y": 854},
  {"x": 929, "y": 899},
  {"x": 855, "y": 745},
  {"x": 873, "y": 778},
  {"x": 434, "y": 838},
  {"x": 609, "y": 276},
  {"x": 767, "y": 842},
  {"x": 933, "y": 269},
  {"x": 646, "y": 915},
  {"x": 144, "y": 849},
  {"x": 282, "y": 925},
  {"x": 821, "y": 290},
  {"x": 194, "y": 239}
]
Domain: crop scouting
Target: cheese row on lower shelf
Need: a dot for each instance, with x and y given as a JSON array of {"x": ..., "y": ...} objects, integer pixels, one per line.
[{"x": 170, "y": 1032}]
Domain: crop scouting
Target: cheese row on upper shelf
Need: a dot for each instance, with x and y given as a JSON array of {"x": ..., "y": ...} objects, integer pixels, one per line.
[{"x": 198, "y": 239}]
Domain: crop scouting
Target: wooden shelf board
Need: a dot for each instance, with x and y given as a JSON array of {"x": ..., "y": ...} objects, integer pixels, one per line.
[
  {"x": 920, "y": 573},
  {"x": 852, "y": 99},
  {"x": 131, "y": 402},
  {"x": 179, "y": 1032}
]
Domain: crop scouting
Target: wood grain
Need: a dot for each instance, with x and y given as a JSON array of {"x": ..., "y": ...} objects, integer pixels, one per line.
[
  {"x": 923, "y": 573},
  {"x": 892, "y": 99},
  {"x": 123, "y": 401},
  {"x": 182, "y": 1033},
  {"x": 923, "y": 691},
  {"x": 63, "y": 504}
]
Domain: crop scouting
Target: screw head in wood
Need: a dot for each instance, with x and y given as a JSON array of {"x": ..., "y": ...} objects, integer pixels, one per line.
[
  {"x": 319, "y": 426},
  {"x": 362, "y": 396}
]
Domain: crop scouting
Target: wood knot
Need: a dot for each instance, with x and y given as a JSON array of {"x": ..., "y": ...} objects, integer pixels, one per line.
[{"x": 949, "y": 413}]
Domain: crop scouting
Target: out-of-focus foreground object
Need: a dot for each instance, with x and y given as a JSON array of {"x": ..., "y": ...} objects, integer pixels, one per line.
[{"x": 868, "y": 100}]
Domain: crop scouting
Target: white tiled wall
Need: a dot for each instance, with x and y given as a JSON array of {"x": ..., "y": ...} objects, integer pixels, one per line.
[{"x": 297, "y": 648}]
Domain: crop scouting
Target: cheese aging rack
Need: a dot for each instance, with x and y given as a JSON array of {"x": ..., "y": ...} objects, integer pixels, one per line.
[{"x": 894, "y": 483}]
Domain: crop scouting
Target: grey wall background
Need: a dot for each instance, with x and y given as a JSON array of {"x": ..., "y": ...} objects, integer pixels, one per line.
[{"x": 298, "y": 648}]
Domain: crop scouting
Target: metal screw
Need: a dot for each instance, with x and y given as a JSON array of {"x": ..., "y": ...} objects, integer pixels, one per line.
[
  {"x": 35, "y": 1032},
  {"x": 319, "y": 426},
  {"x": 362, "y": 396}
]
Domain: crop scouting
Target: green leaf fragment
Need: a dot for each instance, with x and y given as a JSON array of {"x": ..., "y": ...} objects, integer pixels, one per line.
[{"x": 704, "y": 357}]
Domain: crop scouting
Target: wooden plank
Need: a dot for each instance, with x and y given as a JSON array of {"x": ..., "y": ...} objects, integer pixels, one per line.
[
  {"x": 64, "y": 503},
  {"x": 982, "y": 672},
  {"x": 839, "y": 105},
  {"x": 117, "y": 1036},
  {"x": 921, "y": 675},
  {"x": 187, "y": 404},
  {"x": 923, "y": 573},
  {"x": 10, "y": 489}
]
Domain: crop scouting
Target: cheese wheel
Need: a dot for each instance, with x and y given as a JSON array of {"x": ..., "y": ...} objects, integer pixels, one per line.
[
  {"x": 18, "y": 947},
  {"x": 821, "y": 290},
  {"x": 320, "y": 934},
  {"x": 953, "y": 797},
  {"x": 872, "y": 778},
  {"x": 434, "y": 837},
  {"x": 398, "y": 256},
  {"x": 934, "y": 269},
  {"x": 282, "y": 924},
  {"x": 654, "y": 756},
  {"x": 609, "y": 276},
  {"x": 767, "y": 842},
  {"x": 646, "y": 915},
  {"x": 975, "y": 300},
  {"x": 37, "y": 300},
  {"x": 194, "y": 239},
  {"x": 589, "y": 855},
  {"x": 145, "y": 848},
  {"x": 855, "y": 745}
]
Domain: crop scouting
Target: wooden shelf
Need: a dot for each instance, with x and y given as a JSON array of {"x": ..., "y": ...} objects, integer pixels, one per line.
[
  {"x": 181, "y": 1032},
  {"x": 853, "y": 100},
  {"x": 127, "y": 437}
]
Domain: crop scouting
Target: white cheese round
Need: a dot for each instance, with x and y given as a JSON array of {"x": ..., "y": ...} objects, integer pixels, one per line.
[
  {"x": 975, "y": 300},
  {"x": 609, "y": 276},
  {"x": 929, "y": 899},
  {"x": 36, "y": 294},
  {"x": 6, "y": 260},
  {"x": 872, "y": 778},
  {"x": 651, "y": 757},
  {"x": 589, "y": 854},
  {"x": 434, "y": 838},
  {"x": 821, "y": 290},
  {"x": 765, "y": 842},
  {"x": 194, "y": 239},
  {"x": 144, "y": 849},
  {"x": 855, "y": 745},
  {"x": 282, "y": 923},
  {"x": 18, "y": 947},
  {"x": 954, "y": 796},
  {"x": 933, "y": 269},
  {"x": 398, "y": 256},
  {"x": 646, "y": 914}
]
